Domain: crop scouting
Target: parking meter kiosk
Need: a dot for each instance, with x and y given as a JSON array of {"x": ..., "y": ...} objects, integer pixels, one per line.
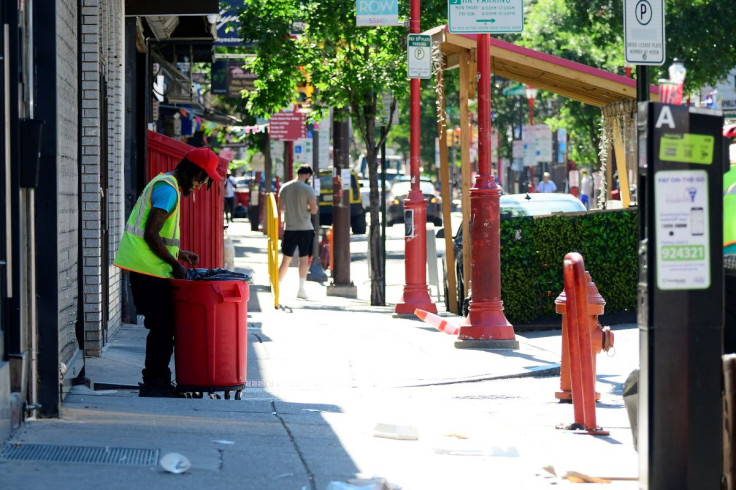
[{"x": 680, "y": 310}]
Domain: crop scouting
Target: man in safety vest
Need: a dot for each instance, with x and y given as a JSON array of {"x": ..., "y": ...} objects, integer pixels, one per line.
[{"x": 149, "y": 250}]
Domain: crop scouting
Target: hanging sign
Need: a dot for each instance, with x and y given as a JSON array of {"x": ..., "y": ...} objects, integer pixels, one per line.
[
  {"x": 644, "y": 40},
  {"x": 419, "y": 53},
  {"x": 376, "y": 12},
  {"x": 485, "y": 16}
]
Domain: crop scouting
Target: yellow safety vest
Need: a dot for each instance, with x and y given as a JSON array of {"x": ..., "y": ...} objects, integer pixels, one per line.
[{"x": 134, "y": 253}]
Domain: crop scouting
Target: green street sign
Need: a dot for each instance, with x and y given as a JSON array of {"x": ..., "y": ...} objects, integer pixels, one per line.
[{"x": 514, "y": 91}]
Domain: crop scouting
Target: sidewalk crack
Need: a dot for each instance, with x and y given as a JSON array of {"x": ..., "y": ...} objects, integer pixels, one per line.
[{"x": 310, "y": 475}]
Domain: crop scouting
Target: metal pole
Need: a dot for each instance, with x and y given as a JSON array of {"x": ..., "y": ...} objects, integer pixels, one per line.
[
  {"x": 383, "y": 213},
  {"x": 486, "y": 326},
  {"x": 416, "y": 293}
]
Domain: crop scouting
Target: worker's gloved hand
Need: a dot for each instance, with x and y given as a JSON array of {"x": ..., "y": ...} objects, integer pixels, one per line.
[
  {"x": 189, "y": 257},
  {"x": 179, "y": 272}
]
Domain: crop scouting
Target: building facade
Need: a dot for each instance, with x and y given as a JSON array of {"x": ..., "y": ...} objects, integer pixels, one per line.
[{"x": 75, "y": 85}]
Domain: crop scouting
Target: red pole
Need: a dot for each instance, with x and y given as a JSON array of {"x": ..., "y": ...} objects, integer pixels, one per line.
[
  {"x": 416, "y": 293},
  {"x": 486, "y": 325}
]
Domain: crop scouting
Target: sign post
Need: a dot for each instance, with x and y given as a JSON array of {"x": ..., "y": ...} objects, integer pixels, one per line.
[
  {"x": 373, "y": 13},
  {"x": 419, "y": 51},
  {"x": 484, "y": 17},
  {"x": 644, "y": 32}
]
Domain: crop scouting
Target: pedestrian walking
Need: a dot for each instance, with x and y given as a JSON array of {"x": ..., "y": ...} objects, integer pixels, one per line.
[
  {"x": 149, "y": 251},
  {"x": 586, "y": 188},
  {"x": 230, "y": 186},
  {"x": 297, "y": 204},
  {"x": 546, "y": 185}
]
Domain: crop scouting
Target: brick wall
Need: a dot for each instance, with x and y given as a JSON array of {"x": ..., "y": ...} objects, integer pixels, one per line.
[
  {"x": 67, "y": 175},
  {"x": 102, "y": 57}
]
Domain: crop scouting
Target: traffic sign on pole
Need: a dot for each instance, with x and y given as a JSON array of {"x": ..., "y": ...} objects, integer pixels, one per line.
[
  {"x": 419, "y": 51},
  {"x": 376, "y": 12},
  {"x": 644, "y": 39},
  {"x": 485, "y": 17}
]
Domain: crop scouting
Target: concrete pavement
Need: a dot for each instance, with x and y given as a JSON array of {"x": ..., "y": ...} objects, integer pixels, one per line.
[{"x": 336, "y": 390}]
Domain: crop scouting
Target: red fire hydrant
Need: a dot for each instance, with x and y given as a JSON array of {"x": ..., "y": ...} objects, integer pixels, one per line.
[{"x": 601, "y": 337}]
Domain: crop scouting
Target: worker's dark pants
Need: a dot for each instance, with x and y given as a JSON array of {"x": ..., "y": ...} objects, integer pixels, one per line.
[
  {"x": 729, "y": 329},
  {"x": 152, "y": 297}
]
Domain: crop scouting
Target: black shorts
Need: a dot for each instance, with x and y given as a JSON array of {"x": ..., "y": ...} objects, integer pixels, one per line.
[{"x": 304, "y": 239}]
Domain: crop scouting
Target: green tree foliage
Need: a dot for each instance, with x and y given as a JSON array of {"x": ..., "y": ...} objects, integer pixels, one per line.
[
  {"x": 348, "y": 66},
  {"x": 699, "y": 32}
]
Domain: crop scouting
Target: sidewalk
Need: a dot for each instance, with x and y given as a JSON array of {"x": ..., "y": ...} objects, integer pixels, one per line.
[{"x": 322, "y": 374}]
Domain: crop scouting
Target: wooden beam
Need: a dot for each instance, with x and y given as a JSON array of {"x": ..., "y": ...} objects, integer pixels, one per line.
[
  {"x": 465, "y": 165},
  {"x": 623, "y": 175},
  {"x": 446, "y": 193}
]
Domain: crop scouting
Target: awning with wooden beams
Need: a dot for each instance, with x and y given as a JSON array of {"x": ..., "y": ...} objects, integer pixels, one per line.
[{"x": 544, "y": 71}]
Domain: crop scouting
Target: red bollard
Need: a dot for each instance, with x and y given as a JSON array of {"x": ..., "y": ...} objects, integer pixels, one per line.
[
  {"x": 582, "y": 374},
  {"x": 601, "y": 337}
]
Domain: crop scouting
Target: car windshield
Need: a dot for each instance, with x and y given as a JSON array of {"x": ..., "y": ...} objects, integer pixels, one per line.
[
  {"x": 402, "y": 188},
  {"x": 512, "y": 206}
]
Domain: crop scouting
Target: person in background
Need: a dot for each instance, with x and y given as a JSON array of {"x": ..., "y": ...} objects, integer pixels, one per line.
[
  {"x": 586, "y": 188},
  {"x": 230, "y": 186},
  {"x": 546, "y": 185},
  {"x": 297, "y": 204},
  {"x": 149, "y": 251}
]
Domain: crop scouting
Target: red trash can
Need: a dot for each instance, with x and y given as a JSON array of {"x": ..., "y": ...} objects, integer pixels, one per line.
[{"x": 210, "y": 343}]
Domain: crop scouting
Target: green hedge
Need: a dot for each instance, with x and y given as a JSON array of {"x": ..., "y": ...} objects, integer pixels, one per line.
[{"x": 532, "y": 251}]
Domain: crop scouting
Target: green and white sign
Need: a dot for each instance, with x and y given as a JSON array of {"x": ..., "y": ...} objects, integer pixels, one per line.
[
  {"x": 485, "y": 16},
  {"x": 419, "y": 51},
  {"x": 681, "y": 220}
]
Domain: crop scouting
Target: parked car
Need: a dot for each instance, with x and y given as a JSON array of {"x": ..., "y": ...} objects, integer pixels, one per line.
[
  {"x": 395, "y": 207},
  {"x": 512, "y": 206},
  {"x": 324, "y": 200}
]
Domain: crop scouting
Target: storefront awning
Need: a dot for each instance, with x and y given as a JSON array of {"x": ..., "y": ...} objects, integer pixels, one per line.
[{"x": 552, "y": 73}]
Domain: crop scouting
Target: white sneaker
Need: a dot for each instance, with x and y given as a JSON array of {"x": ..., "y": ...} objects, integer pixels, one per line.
[{"x": 302, "y": 294}]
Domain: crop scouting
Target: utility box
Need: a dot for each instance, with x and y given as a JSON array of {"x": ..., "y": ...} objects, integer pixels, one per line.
[{"x": 680, "y": 308}]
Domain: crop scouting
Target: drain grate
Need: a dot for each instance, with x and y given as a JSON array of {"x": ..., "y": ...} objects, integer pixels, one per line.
[{"x": 79, "y": 454}]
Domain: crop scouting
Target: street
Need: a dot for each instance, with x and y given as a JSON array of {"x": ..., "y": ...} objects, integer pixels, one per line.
[{"x": 339, "y": 390}]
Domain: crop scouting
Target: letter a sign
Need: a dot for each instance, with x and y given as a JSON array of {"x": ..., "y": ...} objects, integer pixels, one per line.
[{"x": 376, "y": 12}]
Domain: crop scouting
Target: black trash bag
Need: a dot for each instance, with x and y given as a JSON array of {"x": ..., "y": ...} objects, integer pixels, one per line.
[{"x": 218, "y": 274}]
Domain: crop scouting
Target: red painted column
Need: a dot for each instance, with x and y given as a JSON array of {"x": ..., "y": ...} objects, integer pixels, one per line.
[
  {"x": 416, "y": 293},
  {"x": 486, "y": 326}
]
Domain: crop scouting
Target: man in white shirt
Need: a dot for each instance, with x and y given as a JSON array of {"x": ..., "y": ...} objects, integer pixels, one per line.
[
  {"x": 546, "y": 185},
  {"x": 297, "y": 203}
]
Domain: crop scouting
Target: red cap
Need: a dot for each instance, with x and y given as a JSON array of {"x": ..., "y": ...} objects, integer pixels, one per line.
[{"x": 205, "y": 159}]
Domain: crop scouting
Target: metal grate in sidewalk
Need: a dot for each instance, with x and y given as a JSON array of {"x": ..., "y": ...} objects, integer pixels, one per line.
[{"x": 79, "y": 454}]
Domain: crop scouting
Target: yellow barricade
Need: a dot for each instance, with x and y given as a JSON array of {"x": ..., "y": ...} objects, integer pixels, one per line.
[{"x": 272, "y": 230}]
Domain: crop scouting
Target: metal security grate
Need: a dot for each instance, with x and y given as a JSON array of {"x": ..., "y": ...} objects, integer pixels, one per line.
[{"x": 79, "y": 454}]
